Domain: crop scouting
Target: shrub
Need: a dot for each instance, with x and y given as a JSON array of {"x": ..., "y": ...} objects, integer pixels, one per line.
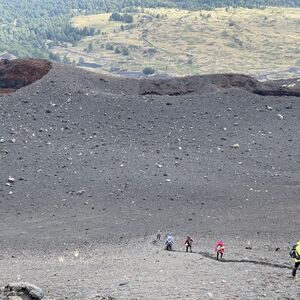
[
  {"x": 121, "y": 18},
  {"x": 148, "y": 71},
  {"x": 109, "y": 47},
  {"x": 125, "y": 51}
]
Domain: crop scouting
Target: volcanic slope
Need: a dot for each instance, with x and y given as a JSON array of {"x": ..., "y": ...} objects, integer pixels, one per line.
[{"x": 87, "y": 159}]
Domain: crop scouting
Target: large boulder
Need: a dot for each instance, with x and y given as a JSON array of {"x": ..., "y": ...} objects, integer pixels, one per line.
[{"x": 22, "y": 290}]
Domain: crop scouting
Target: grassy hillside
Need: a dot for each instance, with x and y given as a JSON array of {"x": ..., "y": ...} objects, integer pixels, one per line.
[
  {"x": 30, "y": 27},
  {"x": 260, "y": 42}
]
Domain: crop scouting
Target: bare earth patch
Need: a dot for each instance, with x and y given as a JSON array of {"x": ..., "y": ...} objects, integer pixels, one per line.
[
  {"x": 262, "y": 43},
  {"x": 92, "y": 166},
  {"x": 18, "y": 73},
  {"x": 144, "y": 270}
]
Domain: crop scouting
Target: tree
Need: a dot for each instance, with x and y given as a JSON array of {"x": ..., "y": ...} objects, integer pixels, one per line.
[
  {"x": 115, "y": 17},
  {"x": 89, "y": 48},
  {"x": 121, "y": 18},
  {"x": 66, "y": 60},
  {"x": 109, "y": 47},
  {"x": 125, "y": 51},
  {"x": 54, "y": 57},
  {"x": 148, "y": 71},
  {"x": 127, "y": 18},
  {"x": 81, "y": 61}
]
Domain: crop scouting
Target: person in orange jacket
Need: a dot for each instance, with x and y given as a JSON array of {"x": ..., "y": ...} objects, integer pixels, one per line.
[{"x": 220, "y": 248}]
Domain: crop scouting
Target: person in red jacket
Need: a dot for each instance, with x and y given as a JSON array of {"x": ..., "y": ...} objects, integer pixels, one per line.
[
  {"x": 188, "y": 244},
  {"x": 220, "y": 248}
]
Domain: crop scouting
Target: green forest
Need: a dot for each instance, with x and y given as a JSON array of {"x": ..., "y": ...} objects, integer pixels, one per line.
[{"x": 31, "y": 27}]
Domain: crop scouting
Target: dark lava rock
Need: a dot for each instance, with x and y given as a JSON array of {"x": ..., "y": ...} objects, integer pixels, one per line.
[{"x": 24, "y": 290}]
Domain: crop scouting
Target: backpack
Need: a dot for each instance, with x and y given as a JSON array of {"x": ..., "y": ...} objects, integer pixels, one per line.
[{"x": 294, "y": 253}]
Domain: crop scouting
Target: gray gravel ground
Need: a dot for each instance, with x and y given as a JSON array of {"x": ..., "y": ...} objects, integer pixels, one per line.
[{"x": 96, "y": 165}]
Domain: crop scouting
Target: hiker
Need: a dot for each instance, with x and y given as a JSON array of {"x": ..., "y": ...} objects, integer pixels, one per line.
[
  {"x": 158, "y": 236},
  {"x": 220, "y": 248},
  {"x": 169, "y": 242},
  {"x": 295, "y": 253},
  {"x": 188, "y": 244}
]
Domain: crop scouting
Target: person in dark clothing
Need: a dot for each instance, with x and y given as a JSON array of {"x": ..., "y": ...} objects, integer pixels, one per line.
[
  {"x": 188, "y": 244},
  {"x": 158, "y": 235},
  {"x": 297, "y": 264}
]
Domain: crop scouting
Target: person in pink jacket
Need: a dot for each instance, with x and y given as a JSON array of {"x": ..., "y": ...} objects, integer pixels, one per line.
[{"x": 220, "y": 248}]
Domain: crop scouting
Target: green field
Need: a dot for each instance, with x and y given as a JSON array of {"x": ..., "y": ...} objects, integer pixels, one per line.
[{"x": 260, "y": 42}]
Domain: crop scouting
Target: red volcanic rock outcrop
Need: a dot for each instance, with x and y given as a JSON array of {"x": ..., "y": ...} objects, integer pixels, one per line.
[{"x": 18, "y": 73}]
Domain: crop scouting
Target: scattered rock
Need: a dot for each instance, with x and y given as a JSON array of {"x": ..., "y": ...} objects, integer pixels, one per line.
[
  {"x": 80, "y": 192},
  {"x": 123, "y": 283},
  {"x": 23, "y": 290},
  {"x": 280, "y": 117},
  {"x": 11, "y": 179},
  {"x": 249, "y": 246},
  {"x": 14, "y": 298}
]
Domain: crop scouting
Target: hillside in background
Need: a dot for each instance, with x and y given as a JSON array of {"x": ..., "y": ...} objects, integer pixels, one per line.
[
  {"x": 260, "y": 42},
  {"x": 31, "y": 27}
]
